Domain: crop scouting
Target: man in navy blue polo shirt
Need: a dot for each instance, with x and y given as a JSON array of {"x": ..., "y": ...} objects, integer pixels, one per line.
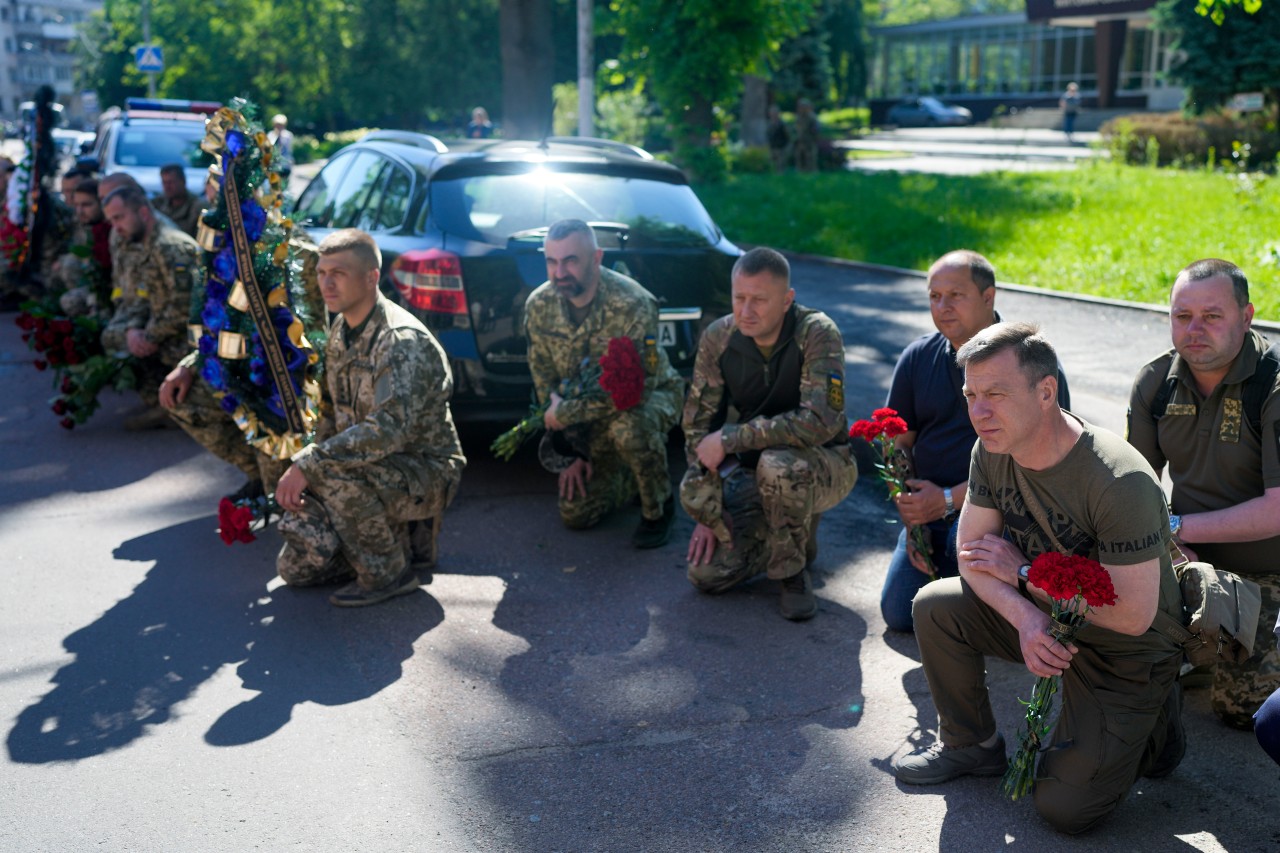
[{"x": 926, "y": 392}]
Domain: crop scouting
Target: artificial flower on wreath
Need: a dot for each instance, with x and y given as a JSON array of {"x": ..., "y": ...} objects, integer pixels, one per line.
[
  {"x": 1076, "y": 586},
  {"x": 232, "y": 349},
  {"x": 884, "y": 426},
  {"x": 618, "y": 375}
]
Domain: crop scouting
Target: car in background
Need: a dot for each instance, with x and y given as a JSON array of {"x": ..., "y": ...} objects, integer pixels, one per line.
[
  {"x": 928, "y": 112},
  {"x": 461, "y": 228},
  {"x": 148, "y": 134}
]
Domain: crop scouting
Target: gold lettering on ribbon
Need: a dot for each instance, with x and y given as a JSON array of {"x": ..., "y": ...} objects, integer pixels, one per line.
[{"x": 257, "y": 303}]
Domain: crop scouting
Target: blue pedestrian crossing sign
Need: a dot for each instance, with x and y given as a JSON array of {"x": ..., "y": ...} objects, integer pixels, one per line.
[{"x": 149, "y": 57}]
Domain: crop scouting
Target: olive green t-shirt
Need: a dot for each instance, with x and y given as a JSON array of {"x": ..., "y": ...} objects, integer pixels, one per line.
[
  {"x": 1102, "y": 498},
  {"x": 1215, "y": 458}
]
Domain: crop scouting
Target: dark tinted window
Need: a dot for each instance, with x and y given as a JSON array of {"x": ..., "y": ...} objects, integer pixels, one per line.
[
  {"x": 357, "y": 185},
  {"x": 490, "y": 208},
  {"x": 394, "y": 201},
  {"x": 314, "y": 203}
]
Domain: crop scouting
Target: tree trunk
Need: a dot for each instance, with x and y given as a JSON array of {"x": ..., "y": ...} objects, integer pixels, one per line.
[
  {"x": 528, "y": 66},
  {"x": 755, "y": 107}
]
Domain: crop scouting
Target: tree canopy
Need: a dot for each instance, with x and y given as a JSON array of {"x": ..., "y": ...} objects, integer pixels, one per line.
[{"x": 1216, "y": 60}]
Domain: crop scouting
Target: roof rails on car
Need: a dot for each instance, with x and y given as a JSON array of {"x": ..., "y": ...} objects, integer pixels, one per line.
[
  {"x": 602, "y": 144},
  {"x": 172, "y": 105},
  {"x": 408, "y": 137}
]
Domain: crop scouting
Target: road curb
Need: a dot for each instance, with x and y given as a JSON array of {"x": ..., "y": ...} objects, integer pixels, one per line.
[{"x": 1268, "y": 325}]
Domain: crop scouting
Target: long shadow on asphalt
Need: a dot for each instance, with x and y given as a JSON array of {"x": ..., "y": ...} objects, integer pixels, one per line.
[{"x": 203, "y": 606}]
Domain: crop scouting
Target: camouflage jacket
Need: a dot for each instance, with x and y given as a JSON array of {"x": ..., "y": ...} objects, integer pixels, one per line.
[
  {"x": 185, "y": 213},
  {"x": 390, "y": 403},
  {"x": 622, "y": 308},
  {"x": 153, "y": 281},
  {"x": 818, "y": 420}
]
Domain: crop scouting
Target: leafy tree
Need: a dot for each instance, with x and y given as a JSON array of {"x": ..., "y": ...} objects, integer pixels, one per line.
[
  {"x": 1217, "y": 9},
  {"x": 1215, "y": 61},
  {"x": 693, "y": 56},
  {"x": 895, "y": 12}
]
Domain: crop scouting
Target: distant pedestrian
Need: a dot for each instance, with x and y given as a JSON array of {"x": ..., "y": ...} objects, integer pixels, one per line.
[
  {"x": 779, "y": 137},
  {"x": 1069, "y": 103},
  {"x": 281, "y": 139},
  {"x": 479, "y": 127},
  {"x": 806, "y": 137}
]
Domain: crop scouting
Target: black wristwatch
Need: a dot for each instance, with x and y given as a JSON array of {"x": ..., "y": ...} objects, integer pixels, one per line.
[{"x": 1024, "y": 572}]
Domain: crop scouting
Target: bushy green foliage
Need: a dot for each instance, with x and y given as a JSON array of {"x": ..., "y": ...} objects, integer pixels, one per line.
[
  {"x": 750, "y": 160},
  {"x": 1213, "y": 61},
  {"x": 1108, "y": 230},
  {"x": 1180, "y": 140},
  {"x": 309, "y": 148}
]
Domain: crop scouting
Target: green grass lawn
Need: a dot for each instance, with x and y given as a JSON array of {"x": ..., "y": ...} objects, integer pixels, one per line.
[{"x": 1116, "y": 231}]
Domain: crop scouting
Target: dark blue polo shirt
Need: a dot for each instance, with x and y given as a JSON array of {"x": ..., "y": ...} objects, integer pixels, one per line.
[{"x": 928, "y": 392}]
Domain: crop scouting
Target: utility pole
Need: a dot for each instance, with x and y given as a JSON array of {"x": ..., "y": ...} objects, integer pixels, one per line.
[
  {"x": 586, "y": 68},
  {"x": 146, "y": 39}
]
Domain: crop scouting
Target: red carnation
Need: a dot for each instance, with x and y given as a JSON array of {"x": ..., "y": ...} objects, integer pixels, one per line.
[
  {"x": 234, "y": 521},
  {"x": 865, "y": 430},
  {"x": 67, "y": 385},
  {"x": 41, "y": 364},
  {"x": 884, "y": 414},
  {"x": 59, "y": 406},
  {"x": 622, "y": 374},
  {"x": 67, "y": 423},
  {"x": 893, "y": 426}
]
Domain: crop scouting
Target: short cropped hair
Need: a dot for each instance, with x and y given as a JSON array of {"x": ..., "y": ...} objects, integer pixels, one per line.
[
  {"x": 566, "y": 227},
  {"x": 77, "y": 172},
  {"x": 131, "y": 194},
  {"x": 1212, "y": 267},
  {"x": 1036, "y": 356},
  {"x": 174, "y": 169},
  {"x": 88, "y": 187},
  {"x": 981, "y": 272},
  {"x": 355, "y": 241},
  {"x": 763, "y": 259}
]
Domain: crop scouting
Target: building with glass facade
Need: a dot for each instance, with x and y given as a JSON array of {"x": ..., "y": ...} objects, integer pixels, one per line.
[{"x": 1016, "y": 61}]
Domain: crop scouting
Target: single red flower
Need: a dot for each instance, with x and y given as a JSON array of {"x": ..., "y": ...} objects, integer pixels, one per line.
[
  {"x": 67, "y": 385},
  {"x": 41, "y": 364},
  {"x": 893, "y": 426},
  {"x": 67, "y": 423},
  {"x": 59, "y": 406},
  {"x": 884, "y": 414}
]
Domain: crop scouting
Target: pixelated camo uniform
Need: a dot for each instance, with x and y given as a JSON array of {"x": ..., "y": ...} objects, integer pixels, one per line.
[
  {"x": 628, "y": 450},
  {"x": 154, "y": 277},
  {"x": 791, "y": 440},
  {"x": 385, "y": 455}
]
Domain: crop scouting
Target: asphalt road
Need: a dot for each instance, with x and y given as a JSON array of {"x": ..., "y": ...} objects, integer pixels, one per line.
[{"x": 549, "y": 691}]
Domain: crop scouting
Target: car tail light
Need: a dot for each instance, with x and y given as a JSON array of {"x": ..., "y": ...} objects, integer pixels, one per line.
[{"x": 431, "y": 280}]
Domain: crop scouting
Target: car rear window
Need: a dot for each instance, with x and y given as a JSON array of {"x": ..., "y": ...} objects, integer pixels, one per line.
[
  {"x": 140, "y": 145},
  {"x": 491, "y": 208}
]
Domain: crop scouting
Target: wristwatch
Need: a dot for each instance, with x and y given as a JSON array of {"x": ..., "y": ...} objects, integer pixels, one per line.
[
  {"x": 951, "y": 506},
  {"x": 1175, "y": 525},
  {"x": 1024, "y": 572}
]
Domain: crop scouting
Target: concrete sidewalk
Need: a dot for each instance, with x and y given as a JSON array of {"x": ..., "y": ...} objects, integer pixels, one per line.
[{"x": 970, "y": 150}]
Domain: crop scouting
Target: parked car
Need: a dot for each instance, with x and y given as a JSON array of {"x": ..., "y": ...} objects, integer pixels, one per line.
[
  {"x": 928, "y": 112},
  {"x": 461, "y": 228},
  {"x": 148, "y": 134}
]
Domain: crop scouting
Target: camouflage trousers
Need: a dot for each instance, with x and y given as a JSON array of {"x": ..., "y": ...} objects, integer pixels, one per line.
[
  {"x": 357, "y": 522},
  {"x": 204, "y": 419},
  {"x": 772, "y": 513},
  {"x": 628, "y": 454},
  {"x": 1239, "y": 689}
]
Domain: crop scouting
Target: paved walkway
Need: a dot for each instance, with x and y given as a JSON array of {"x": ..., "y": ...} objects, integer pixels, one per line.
[{"x": 972, "y": 150}]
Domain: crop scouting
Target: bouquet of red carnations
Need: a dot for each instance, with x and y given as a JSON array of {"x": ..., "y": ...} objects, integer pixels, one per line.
[
  {"x": 1077, "y": 586},
  {"x": 885, "y": 425},
  {"x": 618, "y": 374}
]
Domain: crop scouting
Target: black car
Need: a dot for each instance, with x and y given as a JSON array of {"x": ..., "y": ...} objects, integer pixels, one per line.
[{"x": 461, "y": 229}]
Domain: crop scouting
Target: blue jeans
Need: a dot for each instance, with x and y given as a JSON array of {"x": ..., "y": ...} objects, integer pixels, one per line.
[
  {"x": 1266, "y": 725},
  {"x": 903, "y": 580}
]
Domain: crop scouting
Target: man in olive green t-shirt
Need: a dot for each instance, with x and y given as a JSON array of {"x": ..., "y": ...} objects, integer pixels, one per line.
[
  {"x": 1120, "y": 710},
  {"x": 1223, "y": 453}
]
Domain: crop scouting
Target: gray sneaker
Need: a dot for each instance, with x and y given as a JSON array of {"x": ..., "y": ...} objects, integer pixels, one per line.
[{"x": 939, "y": 763}]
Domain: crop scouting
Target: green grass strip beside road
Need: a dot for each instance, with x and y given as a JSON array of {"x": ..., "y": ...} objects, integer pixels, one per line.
[{"x": 1115, "y": 231}]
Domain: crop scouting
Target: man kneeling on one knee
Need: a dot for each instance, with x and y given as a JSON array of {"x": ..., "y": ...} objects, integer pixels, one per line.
[
  {"x": 1121, "y": 710},
  {"x": 757, "y": 484},
  {"x": 385, "y": 456}
]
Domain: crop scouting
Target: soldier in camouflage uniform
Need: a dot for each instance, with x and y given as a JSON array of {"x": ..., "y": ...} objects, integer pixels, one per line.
[
  {"x": 153, "y": 273},
  {"x": 807, "y": 137},
  {"x": 176, "y": 201},
  {"x": 385, "y": 455},
  {"x": 603, "y": 456},
  {"x": 1223, "y": 458},
  {"x": 756, "y": 485},
  {"x": 87, "y": 275}
]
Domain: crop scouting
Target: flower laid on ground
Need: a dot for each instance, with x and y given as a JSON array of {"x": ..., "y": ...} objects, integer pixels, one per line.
[
  {"x": 885, "y": 425},
  {"x": 71, "y": 347},
  {"x": 239, "y": 520},
  {"x": 619, "y": 374},
  {"x": 1077, "y": 586}
]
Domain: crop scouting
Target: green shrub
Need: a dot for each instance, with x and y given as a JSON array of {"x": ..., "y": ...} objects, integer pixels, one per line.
[
  {"x": 1176, "y": 140},
  {"x": 308, "y": 148},
  {"x": 750, "y": 159},
  {"x": 845, "y": 122}
]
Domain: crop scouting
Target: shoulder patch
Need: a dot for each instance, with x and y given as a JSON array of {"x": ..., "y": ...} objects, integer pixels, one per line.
[
  {"x": 835, "y": 392},
  {"x": 650, "y": 354}
]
